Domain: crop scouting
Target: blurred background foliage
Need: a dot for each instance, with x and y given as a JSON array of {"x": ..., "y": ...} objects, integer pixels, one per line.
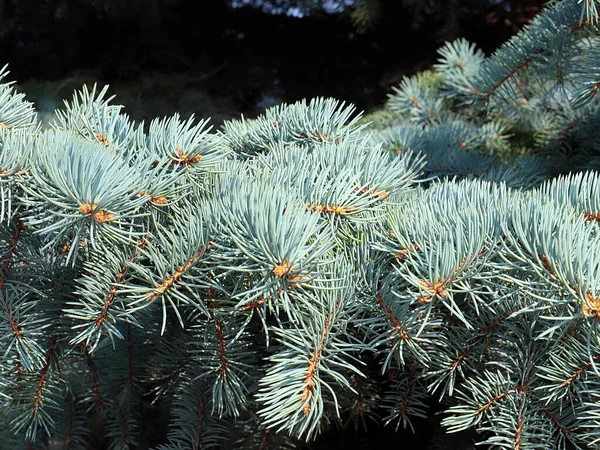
[{"x": 223, "y": 58}]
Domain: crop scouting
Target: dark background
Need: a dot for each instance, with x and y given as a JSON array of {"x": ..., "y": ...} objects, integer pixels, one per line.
[{"x": 205, "y": 56}]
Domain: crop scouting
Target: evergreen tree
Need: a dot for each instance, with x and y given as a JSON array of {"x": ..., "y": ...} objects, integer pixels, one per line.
[{"x": 256, "y": 284}]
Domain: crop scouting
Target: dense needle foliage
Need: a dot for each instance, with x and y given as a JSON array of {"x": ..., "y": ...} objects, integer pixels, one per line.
[{"x": 310, "y": 268}]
